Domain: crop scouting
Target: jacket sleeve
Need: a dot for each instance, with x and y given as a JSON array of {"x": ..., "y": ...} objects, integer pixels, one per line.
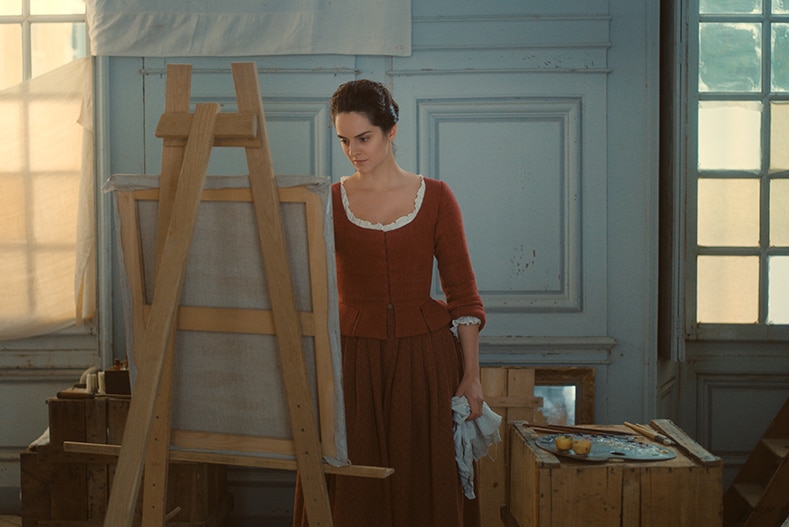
[{"x": 454, "y": 264}]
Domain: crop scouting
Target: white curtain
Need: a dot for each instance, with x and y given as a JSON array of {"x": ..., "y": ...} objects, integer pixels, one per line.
[
  {"x": 46, "y": 203},
  {"x": 249, "y": 27}
]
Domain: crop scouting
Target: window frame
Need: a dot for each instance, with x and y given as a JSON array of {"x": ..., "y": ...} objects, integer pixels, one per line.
[
  {"x": 687, "y": 32},
  {"x": 26, "y": 20}
]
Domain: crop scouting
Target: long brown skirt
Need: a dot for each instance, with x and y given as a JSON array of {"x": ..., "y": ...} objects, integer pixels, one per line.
[{"x": 397, "y": 398}]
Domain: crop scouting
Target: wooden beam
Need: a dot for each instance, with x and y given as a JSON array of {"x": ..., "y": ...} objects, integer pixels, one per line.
[
  {"x": 186, "y": 456},
  {"x": 238, "y": 129},
  {"x": 286, "y": 320},
  {"x": 169, "y": 280},
  {"x": 155, "y": 483}
]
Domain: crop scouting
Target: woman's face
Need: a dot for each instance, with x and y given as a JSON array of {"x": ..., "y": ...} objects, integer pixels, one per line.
[{"x": 365, "y": 144}]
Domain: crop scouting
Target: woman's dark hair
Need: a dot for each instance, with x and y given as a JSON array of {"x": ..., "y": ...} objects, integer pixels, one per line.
[{"x": 366, "y": 97}]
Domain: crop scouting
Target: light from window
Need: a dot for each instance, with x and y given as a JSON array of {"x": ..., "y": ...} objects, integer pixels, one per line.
[
  {"x": 11, "y": 56},
  {"x": 780, "y": 57},
  {"x": 728, "y": 289},
  {"x": 57, "y": 7},
  {"x": 779, "y": 131},
  {"x": 43, "y": 36},
  {"x": 778, "y": 307},
  {"x": 729, "y": 135},
  {"x": 779, "y": 218},
  {"x": 730, "y": 57},
  {"x": 728, "y": 213},
  {"x": 10, "y": 8},
  {"x": 54, "y": 45},
  {"x": 729, "y": 6},
  {"x": 742, "y": 160},
  {"x": 41, "y": 169}
]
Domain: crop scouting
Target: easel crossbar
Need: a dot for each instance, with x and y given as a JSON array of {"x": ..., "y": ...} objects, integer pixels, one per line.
[{"x": 187, "y": 456}]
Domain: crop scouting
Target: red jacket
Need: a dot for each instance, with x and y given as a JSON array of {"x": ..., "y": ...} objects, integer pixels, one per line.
[{"x": 378, "y": 271}]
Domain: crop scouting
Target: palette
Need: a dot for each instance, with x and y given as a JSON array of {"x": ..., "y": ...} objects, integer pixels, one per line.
[{"x": 607, "y": 447}]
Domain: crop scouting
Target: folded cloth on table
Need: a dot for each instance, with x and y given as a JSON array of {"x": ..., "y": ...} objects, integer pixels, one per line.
[{"x": 472, "y": 439}]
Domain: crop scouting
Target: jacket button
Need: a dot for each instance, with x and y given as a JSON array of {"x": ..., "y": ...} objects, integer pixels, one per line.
[{"x": 389, "y": 306}]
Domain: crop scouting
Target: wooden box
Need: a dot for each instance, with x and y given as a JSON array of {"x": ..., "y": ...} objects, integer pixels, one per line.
[
  {"x": 510, "y": 392},
  {"x": 544, "y": 491},
  {"x": 66, "y": 489}
]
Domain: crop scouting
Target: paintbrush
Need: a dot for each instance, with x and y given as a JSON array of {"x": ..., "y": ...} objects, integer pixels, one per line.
[
  {"x": 650, "y": 433},
  {"x": 575, "y": 429}
]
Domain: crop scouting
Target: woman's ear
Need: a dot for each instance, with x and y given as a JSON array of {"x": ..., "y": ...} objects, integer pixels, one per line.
[{"x": 392, "y": 132}]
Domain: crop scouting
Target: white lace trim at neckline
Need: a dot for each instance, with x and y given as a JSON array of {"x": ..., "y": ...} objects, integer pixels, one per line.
[{"x": 396, "y": 224}]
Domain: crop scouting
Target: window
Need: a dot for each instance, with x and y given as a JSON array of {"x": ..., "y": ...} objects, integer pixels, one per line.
[
  {"x": 37, "y": 36},
  {"x": 738, "y": 168},
  {"x": 47, "y": 160}
]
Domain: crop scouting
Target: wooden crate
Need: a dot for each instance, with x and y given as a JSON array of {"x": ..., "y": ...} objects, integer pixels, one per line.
[
  {"x": 64, "y": 489},
  {"x": 545, "y": 491},
  {"x": 509, "y": 390},
  {"x": 510, "y": 393}
]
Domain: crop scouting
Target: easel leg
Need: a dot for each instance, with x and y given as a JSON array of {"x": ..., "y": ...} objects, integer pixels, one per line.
[
  {"x": 169, "y": 280},
  {"x": 158, "y": 460},
  {"x": 286, "y": 318}
]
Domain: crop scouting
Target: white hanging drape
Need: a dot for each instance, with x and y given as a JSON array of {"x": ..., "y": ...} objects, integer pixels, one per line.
[
  {"x": 47, "y": 245},
  {"x": 177, "y": 28}
]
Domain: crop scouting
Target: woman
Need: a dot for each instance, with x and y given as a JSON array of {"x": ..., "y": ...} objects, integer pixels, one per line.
[{"x": 402, "y": 363}]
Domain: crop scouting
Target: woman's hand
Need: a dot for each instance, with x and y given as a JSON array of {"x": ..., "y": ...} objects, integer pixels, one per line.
[
  {"x": 471, "y": 388},
  {"x": 470, "y": 384}
]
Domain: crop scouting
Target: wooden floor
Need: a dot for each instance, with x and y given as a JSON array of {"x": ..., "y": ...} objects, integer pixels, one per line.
[{"x": 16, "y": 521}]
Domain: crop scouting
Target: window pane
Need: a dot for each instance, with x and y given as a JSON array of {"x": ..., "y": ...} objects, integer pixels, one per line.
[
  {"x": 11, "y": 61},
  {"x": 14, "y": 261},
  {"x": 47, "y": 155},
  {"x": 779, "y": 131},
  {"x": 10, "y": 7},
  {"x": 779, "y": 214},
  {"x": 780, "y": 6},
  {"x": 12, "y": 125},
  {"x": 729, "y": 6},
  {"x": 57, "y": 7},
  {"x": 45, "y": 194},
  {"x": 728, "y": 212},
  {"x": 728, "y": 289},
  {"x": 14, "y": 228},
  {"x": 54, "y": 45},
  {"x": 780, "y": 57},
  {"x": 778, "y": 302},
  {"x": 730, "y": 57},
  {"x": 729, "y": 135}
]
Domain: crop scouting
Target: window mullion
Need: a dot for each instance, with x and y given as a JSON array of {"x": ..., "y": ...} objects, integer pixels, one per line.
[
  {"x": 27, "y": 49},
  {"x": 764, "y": 203},
  {"x": 690, "y": 232}
]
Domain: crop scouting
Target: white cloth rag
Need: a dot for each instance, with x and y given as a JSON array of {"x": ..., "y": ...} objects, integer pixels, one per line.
[{"x": 472, "y": 439}]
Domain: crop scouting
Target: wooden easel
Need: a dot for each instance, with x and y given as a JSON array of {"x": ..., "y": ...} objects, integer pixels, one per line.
[{"x": 188, "y": 141}]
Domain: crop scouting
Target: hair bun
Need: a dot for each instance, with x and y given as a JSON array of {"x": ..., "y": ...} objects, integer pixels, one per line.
[{"x": 367, "y": 97}]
